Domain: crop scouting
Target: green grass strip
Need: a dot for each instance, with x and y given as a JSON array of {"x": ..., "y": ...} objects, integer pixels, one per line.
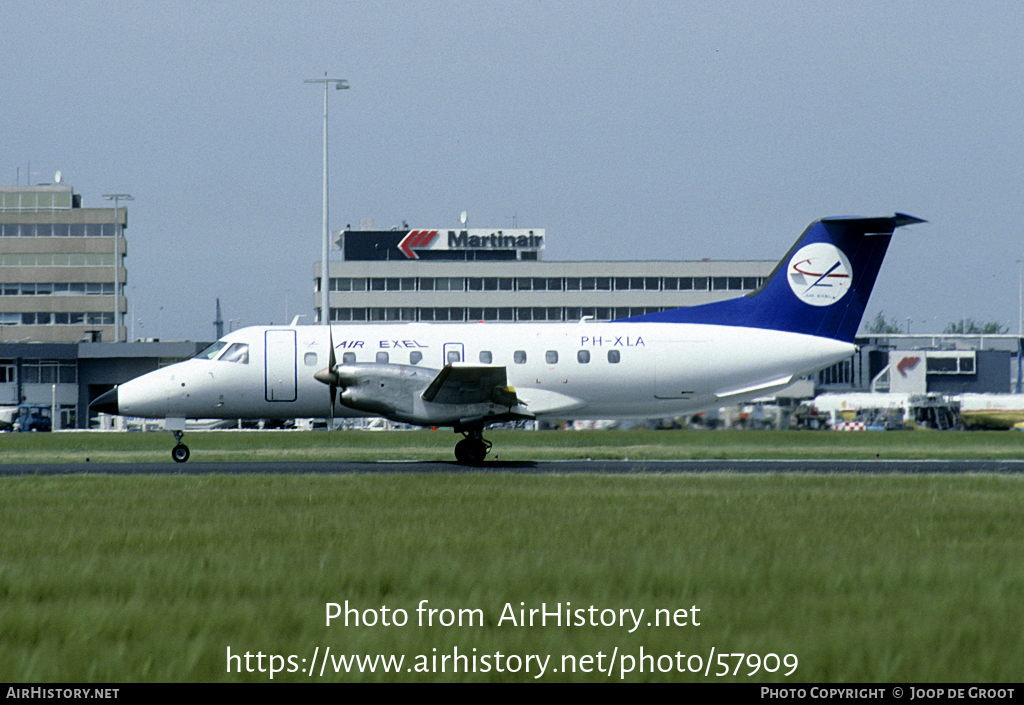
[
  {"x": 864, "y": 579},
  {"x": 296, "y": 446}
]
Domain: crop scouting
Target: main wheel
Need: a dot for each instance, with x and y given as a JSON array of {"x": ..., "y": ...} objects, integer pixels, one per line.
[
  {"x": 180, "y": 453},
  {"x": 470, "y": 451}
]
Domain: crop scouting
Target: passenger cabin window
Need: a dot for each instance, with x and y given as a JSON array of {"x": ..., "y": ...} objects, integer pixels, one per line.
[
  {"x": 519, "y": 357},
  {"x": 551, "y": 357},
  {"x": 348, "y": 358},
  {"x": 453, "y": 356},
  {"x": 382, "y": 357},
  {"x": 583, "y": 357},
  {"x": 310, "y": 359},
  {"x": 414, "y": 357},
  {"x": 613, "y": 356},
  {"x": 485, "y": 357},
  {"x": 239, "y": 352}
]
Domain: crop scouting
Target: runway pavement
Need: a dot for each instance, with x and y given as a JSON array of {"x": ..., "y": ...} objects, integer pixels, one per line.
[{"x": 878, "y": 466}]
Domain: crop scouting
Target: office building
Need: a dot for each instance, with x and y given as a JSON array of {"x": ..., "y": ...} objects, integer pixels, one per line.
[
  {"x": 62, "y": 272},
  {"x": 498, "y": 275}
]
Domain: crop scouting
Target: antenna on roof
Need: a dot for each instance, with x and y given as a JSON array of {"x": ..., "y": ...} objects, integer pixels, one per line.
[{"x": 218, "y": 325}]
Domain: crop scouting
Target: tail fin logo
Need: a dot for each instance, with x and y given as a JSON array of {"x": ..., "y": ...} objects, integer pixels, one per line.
[{"x": 820, "y": 274}]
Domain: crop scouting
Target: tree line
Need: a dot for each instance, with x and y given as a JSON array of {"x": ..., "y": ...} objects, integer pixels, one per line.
[{"x": 965, "y": 326}]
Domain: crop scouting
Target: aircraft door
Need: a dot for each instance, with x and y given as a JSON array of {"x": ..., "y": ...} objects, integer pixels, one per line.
[
  {"x": 454, "y": 352},
  {"x": 281, "y": 379}
]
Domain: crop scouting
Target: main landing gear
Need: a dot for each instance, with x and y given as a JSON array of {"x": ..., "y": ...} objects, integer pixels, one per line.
[
  {"x": 472, "y": 449},
  {"x": 180, "y": 452}
]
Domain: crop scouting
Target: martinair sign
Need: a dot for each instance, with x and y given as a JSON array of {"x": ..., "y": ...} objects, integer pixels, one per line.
[{"x": 467, "y": 244}]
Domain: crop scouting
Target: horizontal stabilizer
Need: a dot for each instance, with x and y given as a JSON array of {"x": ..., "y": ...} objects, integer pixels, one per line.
[{"x": 754, "y": 390}]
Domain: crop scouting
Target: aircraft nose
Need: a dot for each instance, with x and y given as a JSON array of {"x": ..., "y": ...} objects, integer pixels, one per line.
[{"x": 106, "y": 403}]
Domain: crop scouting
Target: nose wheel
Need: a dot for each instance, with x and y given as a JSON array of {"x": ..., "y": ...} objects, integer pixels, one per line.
[{"x": 180, "y": 451}]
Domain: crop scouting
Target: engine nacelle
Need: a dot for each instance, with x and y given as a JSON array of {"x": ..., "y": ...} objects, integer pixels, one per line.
[
  {"x": 400, "y": 393},
  {"x": 384, "y": 389}
]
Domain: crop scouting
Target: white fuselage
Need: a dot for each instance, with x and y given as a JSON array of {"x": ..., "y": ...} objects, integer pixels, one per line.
[{"x": 566, "y": 370}]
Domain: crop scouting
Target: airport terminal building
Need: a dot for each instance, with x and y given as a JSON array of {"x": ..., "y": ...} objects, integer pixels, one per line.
[
  {"x": 62, "y": 272},
  {"x": 498, "y": 275}
]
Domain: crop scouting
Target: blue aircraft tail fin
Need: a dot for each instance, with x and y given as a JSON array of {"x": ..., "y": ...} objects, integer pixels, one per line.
[{"x": 821, "y": 286}]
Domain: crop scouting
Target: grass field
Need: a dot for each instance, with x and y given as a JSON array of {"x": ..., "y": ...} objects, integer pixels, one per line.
[
  {"x": 861, "y": 578},
  {"x": 255, "y": 446}
]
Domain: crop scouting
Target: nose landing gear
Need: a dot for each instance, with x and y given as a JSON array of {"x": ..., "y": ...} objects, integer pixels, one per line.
[{"x": 180, "y": 453}]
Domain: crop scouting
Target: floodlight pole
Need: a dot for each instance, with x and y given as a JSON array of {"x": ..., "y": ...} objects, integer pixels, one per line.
[
  {"x": 325, "y": 311},
  {"x": 116, "y": 197}
]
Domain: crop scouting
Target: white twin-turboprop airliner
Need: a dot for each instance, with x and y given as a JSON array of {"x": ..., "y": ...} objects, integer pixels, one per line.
[{"x": 471, "y": 375}]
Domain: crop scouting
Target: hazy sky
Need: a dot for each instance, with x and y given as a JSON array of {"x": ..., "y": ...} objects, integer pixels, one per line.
[{"x": 628, "y": 130}]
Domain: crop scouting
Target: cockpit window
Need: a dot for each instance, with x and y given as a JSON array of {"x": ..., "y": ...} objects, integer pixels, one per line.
[
  {"x": 239, "y": 352},
  {"x": 211, "y": 352}
]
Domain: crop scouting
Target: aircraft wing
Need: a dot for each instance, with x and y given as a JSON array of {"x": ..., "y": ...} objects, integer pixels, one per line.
[{"x": 468, "y": 384}]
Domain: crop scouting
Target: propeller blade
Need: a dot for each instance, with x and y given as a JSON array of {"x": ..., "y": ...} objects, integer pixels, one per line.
[{"x": 332, "y": 362}]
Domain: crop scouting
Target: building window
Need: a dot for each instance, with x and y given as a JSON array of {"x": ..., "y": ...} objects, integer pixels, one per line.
[
  {"x": 348, "y": 284},
  {"x": 49, "y": 372},
  {"x": 39, "y": 259},
  {"x": 442, "y": 284}
]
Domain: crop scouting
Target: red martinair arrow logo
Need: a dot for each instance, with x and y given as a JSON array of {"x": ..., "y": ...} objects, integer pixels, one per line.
[
  {"x": 907, "y": 363},
  {"x": 416, "y": 238}
]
